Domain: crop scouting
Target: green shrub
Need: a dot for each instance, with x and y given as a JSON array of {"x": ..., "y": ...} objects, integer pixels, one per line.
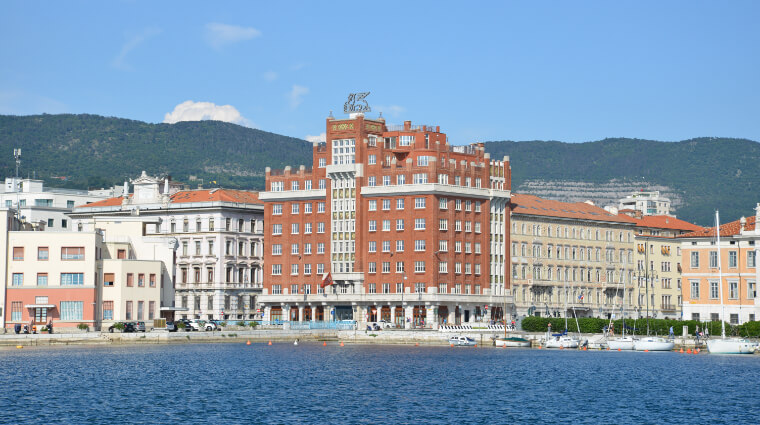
[
  {"x": 83, "y": 327},
  {"x": 637, "y": 326},
  {"x": 241, "y": 323},
  {"x": 749, "y": 329},
  {"x": 253, "y": 324},
  {"x": 180, "y": 325},
  {"x": 119, "y": 326}
]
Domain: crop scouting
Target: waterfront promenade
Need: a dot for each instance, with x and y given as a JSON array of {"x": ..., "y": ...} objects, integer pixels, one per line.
[{"x": 331, "y": 337}]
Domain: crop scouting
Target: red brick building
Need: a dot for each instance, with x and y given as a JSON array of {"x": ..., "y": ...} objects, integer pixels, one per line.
[{"x": 403, "y": 227}]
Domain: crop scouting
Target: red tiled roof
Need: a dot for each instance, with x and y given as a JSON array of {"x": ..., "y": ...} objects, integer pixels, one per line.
[
  {"x": 728, "y": 229},
  {"x": 212, "y": 195},
  {"x": 110, "y": 202},
  {"x": 533, "y": 205},
  {"x": 667, "y": 222}
]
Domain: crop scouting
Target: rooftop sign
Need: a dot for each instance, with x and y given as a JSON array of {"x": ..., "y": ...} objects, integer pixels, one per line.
[{"x": 356, "y": 103}]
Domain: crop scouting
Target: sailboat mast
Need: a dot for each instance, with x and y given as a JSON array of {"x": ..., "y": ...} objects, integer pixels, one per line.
[
  {"x": 646, "y": 279},
  {"x": 720, "y": 278},
  {"x": 564, "y": 287}
]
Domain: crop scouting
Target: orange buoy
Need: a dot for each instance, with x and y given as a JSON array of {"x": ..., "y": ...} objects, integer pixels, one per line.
[
  {"x": 248, "y": 342},
  {"x": 585, "y": 348},
  {"x": 476, "y": 345},
  {"x": 561, "y": 347},
  {"x": 341, "y": 343},
  {"x": 324, "y": 344},
  {"x": 619, "y": 349},
  {"x": 646, "y": 351},
  {"x": 688, "y": 351},
  {"x": 608, "y": 348},
  {"x": 681, "y": 350},
  {"x": 452, "y": 345},
  {"x": 416, "y": 344},
  {"x": 697, "y": 351},
  {"x": 270, "y": 343}
]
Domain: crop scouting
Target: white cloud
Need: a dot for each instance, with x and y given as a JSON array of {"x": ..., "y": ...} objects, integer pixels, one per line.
[
  {"x": 119, "y": 62},
  {"x": 296, "y": 95},
  {"x": 394, "y": 111},
  {"x": 201, "y": 111},
  {"x": 217, "y": 35},
  {"x": 321, "y": 138},
  {"x": 270, "y": 76}
]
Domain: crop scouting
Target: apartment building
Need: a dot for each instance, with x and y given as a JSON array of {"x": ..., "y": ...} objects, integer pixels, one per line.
[
  {"x": 76, "y": 277},
  {"x": 47, "y": 208},
  {"x": 216, "y": 240},
  {"x": 658, "y": 263},
  {"x": 645, "y": 203},
  {"x": 734, "y": 272},
  {"x": 392, "y": 223},
  {"x": 570, "y": 254}
]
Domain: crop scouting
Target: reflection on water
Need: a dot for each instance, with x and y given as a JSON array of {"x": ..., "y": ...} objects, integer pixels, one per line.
[{"x": 234, "y": 383}]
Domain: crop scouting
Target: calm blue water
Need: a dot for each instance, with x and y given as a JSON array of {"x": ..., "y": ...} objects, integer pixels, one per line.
[{"x": 235, "y": 383}]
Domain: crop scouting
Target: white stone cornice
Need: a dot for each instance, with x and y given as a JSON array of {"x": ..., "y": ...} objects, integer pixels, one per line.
[
  {"x": 434, "y": 189},
  {"x": 293, "y": 195}
]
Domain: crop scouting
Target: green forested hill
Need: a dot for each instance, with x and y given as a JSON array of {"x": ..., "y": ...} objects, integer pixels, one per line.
[
  {"x": 94, "y": 151},
  {"x": 708, "y": 173}
]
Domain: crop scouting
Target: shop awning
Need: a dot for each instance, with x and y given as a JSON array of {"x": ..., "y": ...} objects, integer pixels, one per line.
[
  {"x": 174, "y": 309},
  {"x": 39, "y": 306}
]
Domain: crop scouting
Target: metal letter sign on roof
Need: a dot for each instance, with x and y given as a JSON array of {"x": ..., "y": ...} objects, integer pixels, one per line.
[{"x": 356, "y": 103}]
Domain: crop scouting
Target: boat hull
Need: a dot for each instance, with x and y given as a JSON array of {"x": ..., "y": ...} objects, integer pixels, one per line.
[
  {"x": 653, "y": 344},
  {"x": 620, "y": 344},
  {"x": 562, "y": 342},
  {"x": 512, "y": 342},
  {"x": 730, "y": 346}
]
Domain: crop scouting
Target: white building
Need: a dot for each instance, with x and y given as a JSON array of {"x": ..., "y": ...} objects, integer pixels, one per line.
[
  {"x": 46, "y": 208},
  {"x": 216, "y": 269},
  {"x": 648, "y": 203}
]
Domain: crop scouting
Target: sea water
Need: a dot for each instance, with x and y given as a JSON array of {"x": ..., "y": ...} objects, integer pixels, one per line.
[{"x": 310, "y": 383}]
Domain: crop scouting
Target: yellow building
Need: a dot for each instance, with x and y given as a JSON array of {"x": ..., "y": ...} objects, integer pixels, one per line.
[
  {"x": 575, "y": 249},
  {"x": 658, "y": 262}
]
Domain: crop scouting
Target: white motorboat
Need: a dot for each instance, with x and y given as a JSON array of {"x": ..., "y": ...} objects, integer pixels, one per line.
[
  {"x": 731, "y": 346},
  {"x": 462, "y": 341},
  {"x": 653, "y": 343},
  {"x": 514, "y": 341},
  {"x": 561, "y": 341},
  {"x": 622, "y": 343}
]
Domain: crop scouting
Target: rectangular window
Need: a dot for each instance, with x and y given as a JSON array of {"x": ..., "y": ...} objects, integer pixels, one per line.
[
  {"x": 276, "y": 269},
  {"x": 294, "y": 208},
  {"x": 371, "y": 181},
  {"x": 294, "y": 228},
  {"x": 443, "y": 224},
  {"x": 419, "y": 245},
  {"x": 386, "y": 180},
  {"x": 307, "y": 228},
  {"x": 443, "y": 204},
  {"x": 733, "y": 290},
  {"x": 372, "y": 246},
  {"x": 443, "y": 245},
  {"x": 130, "y": 279},
  {"x": 386, "y": 267},
  {"x": 276, "y": 289},
  {"x": 400, "y": 203},
  {"x": 321, "y": 227},
  {"x": 695, "y": 259},
  {"x": 18, "y": 279},
  {"x": 419, "y": 224},
  {"x": 386, "y": 225},
  {"x": 307, "y": 208},
  {"x": 420, "y": 178},
  {"x": 141, "y": 280},
  {"x": 16, "y": 311},
  {"x": 419, "y": 267},
  {"x": 321, "y": 248},
  {"x": 713, "y": 259},
  {"x": 128, "y": 310},
  {"x": 43, "y": 253},
  {"x": 320, "y": 207},
  {"x": 419, "y": 203},
  {"x": 751, "y": 259},
  {"x": 307, "y": 269},
  {"x": 399, "y": 267},
  {"x": 372, "y": 267},
  {"x": 18, "y": 253},
  {"x": 277, "y": 249},
  {"x": 371, "y": 159},
  {"x": 732, "y": 259},
  {"x": 372, "y": 205},
  {"x": 277, "y": 229},
  {"x": 294, "y": 269},
  {"x": 140, "y": 306},
  {"x": 152, "y": 280},
  {"x": 107, "y": 310},
  {"x": 42, "y": 279},
  {"x": 72, "y": 310},
  {"x": 399, "y": 224},
  {"x": 386, "y": 246},
  {"x": 75, "y": 279},
  {"x": 714, "y": 290},
  {"x": 372, "y": 225},
  {"x": 399, "y": 246},
  {"x": 151, "y": 310}
]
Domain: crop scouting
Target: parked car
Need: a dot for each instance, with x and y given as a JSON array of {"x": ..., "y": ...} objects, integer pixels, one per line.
[
  {"x": 139, "y": 326},
  {"x": 186, "y": 322},
  {"x": 200, "y": 325},
  {"x": 128, "y": 327},
  {"x": 216, "y": 322},
  {"x": 384, "y": 324},
  {"x": 170, "y": 326}
]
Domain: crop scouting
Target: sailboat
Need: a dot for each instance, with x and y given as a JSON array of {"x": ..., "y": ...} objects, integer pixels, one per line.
[
  {"x": 726, "y": 345},
  {"x": 513, "y": 341},
  {"x": 562, "y": 340},
  {"x": 622, "y": 342},
  {"x": 651, "y": 343}
]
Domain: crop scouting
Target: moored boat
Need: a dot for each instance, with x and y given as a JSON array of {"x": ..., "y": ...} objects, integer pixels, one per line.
[
  {"x": 622, "y": 343},
  {"x": 462, "y": 341},
  {"x": 514, "y": 341},
  {"x": 731, "y": 346},
  {"x": 653, "y": 343},
  {"x": 561, "y": 341}
]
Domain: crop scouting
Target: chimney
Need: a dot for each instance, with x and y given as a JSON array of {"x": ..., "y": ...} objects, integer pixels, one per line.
[{"x": 407, "y": 125}]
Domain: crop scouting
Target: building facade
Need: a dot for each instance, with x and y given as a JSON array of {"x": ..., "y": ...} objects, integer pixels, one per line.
[
  {"x": 47, "y": 208},
  {"x": 570, "y": 259},
  {"x": 647, "y": 203},
  {"x": 391, "y": 223},
  {"x": 216, "y": 239},
  {"x": 658, "y": 263},
  {"x": 703, "y": 269}
]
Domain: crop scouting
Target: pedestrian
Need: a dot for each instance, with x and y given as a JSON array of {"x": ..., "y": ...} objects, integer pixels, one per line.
[
  {"x": 707, "y": 333},
  {"x": 50, "y": 326},
  {"x": 696, "y": 333},
  {"x": 672, "y": 335}
]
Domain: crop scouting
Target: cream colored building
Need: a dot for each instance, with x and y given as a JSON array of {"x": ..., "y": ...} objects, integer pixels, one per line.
[
  {"x": 658, "y": 262},
  {"x": 573, "y": 254}
]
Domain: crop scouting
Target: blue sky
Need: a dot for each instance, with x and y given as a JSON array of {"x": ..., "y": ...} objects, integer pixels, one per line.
[{"x": 569, "y": 71}]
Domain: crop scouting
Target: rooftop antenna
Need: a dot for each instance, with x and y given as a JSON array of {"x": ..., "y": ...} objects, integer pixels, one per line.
[
  {"x": 16, "y": 188},
  {"x": 17, "y": 156}
]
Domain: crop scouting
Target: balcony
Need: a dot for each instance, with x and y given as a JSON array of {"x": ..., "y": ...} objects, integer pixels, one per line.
[{"x": 668, "y": 307}]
